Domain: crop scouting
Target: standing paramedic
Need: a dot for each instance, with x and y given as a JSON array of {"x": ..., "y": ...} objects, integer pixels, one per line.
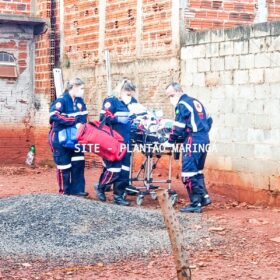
[
  {"x": 69, "y": 110},
  {"x": 115, "y": 113},
  {"x": 193, "y": 124}
]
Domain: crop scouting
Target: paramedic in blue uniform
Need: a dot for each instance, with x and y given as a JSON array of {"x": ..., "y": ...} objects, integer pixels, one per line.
[
  {"x": 68, "y": 110},
  {"x": 115, "y": 110},
  {"x": 192, "y": 123}
]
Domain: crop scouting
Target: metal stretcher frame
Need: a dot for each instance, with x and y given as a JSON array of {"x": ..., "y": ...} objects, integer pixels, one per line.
[{"x": 145, "y": 175}]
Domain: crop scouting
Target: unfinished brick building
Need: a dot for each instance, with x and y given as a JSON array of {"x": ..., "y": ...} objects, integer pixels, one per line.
[{"x": 144, "y": 37}]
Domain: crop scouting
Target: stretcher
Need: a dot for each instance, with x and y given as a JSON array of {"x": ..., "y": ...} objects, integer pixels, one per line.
[{"x": 149, "y": 133}]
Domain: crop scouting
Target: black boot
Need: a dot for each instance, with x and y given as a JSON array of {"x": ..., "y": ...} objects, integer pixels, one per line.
[
  {"x": 118, "y": 199},
  {"x": 100, "y": 192},
  {"x": 119, "y": 189},
  {"x": 66, "y": 181},
  {"x": 195, "y": 206},
  {"x": 206, "y": 200},
  {"x": 82, "y": 194},
  {"x": 192, "y": 208},
  {"x": 189, "y": 193},
  {"x": 108, "y": 188}
]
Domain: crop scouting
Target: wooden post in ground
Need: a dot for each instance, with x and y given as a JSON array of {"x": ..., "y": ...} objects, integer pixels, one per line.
[{"x": 175, "y": 235}]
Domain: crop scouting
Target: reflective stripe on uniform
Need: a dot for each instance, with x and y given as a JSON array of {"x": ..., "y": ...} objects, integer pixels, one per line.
[
  {"x": 179, "y": 124},
  {"x": 77, "y": 158},
  {"x": 191, "y": 174},
  {"x": 82, "y": 113},
  {"x": 126, "y": 168},
  {"x": 62, "y": 167},
  {"x": 122, "y": 114},
  {"x": 114, "y": 170},
  {"x": 53, "y": 113},
  {"x": 189, "y": 107}
]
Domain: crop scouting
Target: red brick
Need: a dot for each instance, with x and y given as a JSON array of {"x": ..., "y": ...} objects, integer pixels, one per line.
[
  {"x": 22, "y": 55},
  {"x": 222, "y": 16},
  {"x": 8, "y": 45},
  {"x": 229, "y": 6},
  {"x": 211, "y": 14},
  {"x": 200, "y": 14},
  {"x": 206, "y": 4}
]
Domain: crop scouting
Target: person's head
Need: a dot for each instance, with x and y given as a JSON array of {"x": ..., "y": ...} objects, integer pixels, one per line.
[
  {"x": 125, "y": 90},
  {"x": 174, "y": 92},
  {"x": 75, "y": 87}
]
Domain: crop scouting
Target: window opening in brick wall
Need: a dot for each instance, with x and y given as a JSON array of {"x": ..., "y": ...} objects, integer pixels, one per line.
[
  {"x": 6, "y": 57},
  {"x": 8, "y": 67}
]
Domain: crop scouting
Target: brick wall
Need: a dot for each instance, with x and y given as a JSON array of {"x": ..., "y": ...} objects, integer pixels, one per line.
[
  {"x": 131, "y": 32},
  {"x": 157, "y": 32},
  {"x": 81, "y": 27},
  {"x": 236, "y": 74},
  {"x": 120, "y": 25},
  {"x": 209, "y": 14},
  {"x": 45, "y": 60},
  {"x": 19, "y": 7},
  {"x": 16, "y": 95},
  {"x": 139, "y": 37},
  {"x": 273, "y": 10}
]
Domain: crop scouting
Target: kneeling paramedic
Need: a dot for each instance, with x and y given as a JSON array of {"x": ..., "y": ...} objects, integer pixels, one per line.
[
  {"x": 115, "y": 113},
  {"x": 68, "y": 111},
  {"x": 193, "y": 125}
]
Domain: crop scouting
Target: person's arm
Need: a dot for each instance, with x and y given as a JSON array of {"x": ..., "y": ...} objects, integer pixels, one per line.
[
  {"x": 209, "y": 120},
  {"x": 107, "y": 111},
  {"x": 57, "y": 116},
  {"x": 179, "y": 126}
]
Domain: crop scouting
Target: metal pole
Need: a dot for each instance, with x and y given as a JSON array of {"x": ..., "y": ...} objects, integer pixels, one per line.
[
  {"x": 175, "y": 235},
  {"x": 58, "y": 81}
]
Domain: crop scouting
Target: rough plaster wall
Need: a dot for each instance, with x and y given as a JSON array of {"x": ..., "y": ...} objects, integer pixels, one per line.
[
  {"x": 151, "y": 77},
  {"x": 236, "y": 74},
  {"x": 16, "y": 95}
]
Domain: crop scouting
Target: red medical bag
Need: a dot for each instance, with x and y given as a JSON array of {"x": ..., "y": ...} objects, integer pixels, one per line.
[{"x": 106, "y": 142}]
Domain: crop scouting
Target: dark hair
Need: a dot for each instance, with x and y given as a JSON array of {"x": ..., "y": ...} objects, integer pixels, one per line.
[
  {"x": 176, "y": 86},
  {"x": 128, "y": 85}
]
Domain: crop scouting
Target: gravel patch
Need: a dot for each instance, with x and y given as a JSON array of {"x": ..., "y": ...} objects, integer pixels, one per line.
[{"x": 53, "y": 227}]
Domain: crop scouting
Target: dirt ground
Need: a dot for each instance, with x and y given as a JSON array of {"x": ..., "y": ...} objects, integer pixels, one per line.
[{"x": 249, "y": 235}]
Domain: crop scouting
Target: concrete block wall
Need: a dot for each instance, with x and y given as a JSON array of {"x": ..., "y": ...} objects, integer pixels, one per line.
[{"x": 235, "y": 73}]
